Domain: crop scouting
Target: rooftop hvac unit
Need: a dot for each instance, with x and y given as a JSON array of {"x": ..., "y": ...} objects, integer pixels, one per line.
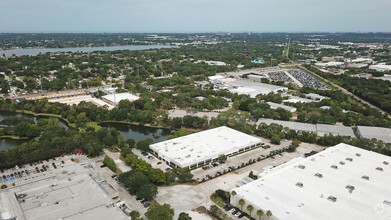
[
  {"x": 385, "y": 163},
  {"x": 349, "y": 159},
  {"x": 334, "y": 167},
  {"x": 332, "y": 198},
  {"x": 365, "y": 177},
  {"x": 341, "y": 162},
  {"x": 379, "y": 168},
  {"x": 301, "y": 166}
]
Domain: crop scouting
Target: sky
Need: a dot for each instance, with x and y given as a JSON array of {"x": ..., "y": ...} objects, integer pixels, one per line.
[{"x": 195, "y": 16}]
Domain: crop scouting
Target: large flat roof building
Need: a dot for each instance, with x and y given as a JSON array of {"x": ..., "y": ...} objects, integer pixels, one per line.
[
  {"x": 341, "y": 182},
  {"x": 114, "y": 99},
  {"x": 203, "y": 147},
  {"x": 73, "y": 192},
  {"x": 383, "y": 134},
  {"x": 319, "y": 129}
]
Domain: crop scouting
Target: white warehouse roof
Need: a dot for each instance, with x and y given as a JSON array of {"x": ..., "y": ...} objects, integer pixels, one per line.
[
  {"x": 120, "y": 96},
  {"x": 294, "y": 190},
  {"x": 199, "y": 147},
  {"x": 383, "y": 134}
]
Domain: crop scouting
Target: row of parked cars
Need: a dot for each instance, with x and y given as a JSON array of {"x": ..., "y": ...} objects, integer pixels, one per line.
[
  {"x": 28, "y": 172},
  {"x": 234, "y": 211},
  {"x": 215, "y": 164}
]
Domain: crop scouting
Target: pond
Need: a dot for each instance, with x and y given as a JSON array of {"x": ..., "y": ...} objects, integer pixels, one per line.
[
  {"x": 138, "y": 132},
  {"x": 6, "y": 143}
]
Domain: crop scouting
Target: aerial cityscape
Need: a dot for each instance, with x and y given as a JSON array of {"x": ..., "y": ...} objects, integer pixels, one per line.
[{"x": 203, "y": 110}]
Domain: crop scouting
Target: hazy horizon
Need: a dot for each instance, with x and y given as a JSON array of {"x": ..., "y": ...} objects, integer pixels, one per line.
[{"x": 202, "y": 16}]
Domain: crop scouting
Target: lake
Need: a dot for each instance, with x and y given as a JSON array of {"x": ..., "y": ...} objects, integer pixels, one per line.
[
  {"x": 127, "y": 131},
  {"x": 36, "y": 51},
  {"x": 6, "y": 143},
  {"x": 138, "y": 132}
]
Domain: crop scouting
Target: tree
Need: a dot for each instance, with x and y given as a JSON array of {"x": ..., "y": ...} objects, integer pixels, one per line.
[
  {"x": 109, "y": 162},
  {"x": 144, "y": 144},
  {"x": 184, "y": 216},
  {"x": 275, "y": 139},
  {"x": 260, "y": 213},
  {"x": 250, "y": 208},
  {"x": 160, "y": 212},
  {"x": 135, "y": 215},
  {"x": 147, "y": 191},
  {"x": 131, "y": 143},
  {"x": 184, "y": 174},
  {"x": 3, "y": 186},
  {"x": 133, "y": 179},
  {"x": 241, "y": 203},
  {"x": 233, "y": 193},
  {"x": 269, "y": 213},
  {"x": 81, "y": 119},
  {"x": 222, "y": 158}
]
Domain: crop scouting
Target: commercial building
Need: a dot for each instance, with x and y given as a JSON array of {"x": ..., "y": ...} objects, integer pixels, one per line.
[
  {"x": 286, "y": 107},
  {"x": 319, "y": 129},
  {"x": 251, "y": 88},
  {"x": 73, "y": 192},
  {"x": 114, "y": 99},
  {"x": 380, "y": 67},
  {"x": 383, "y": 134},
  {"x": 341, "y": 182},
  {"x": 203, "y": 147}
]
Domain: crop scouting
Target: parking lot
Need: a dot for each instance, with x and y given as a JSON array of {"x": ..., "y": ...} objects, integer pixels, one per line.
[
  {"x": 36, "y": 169},
  {"x": 237, "y": 160},
  {"x": 154, "y": 161},
  {"x": 178, "y": 195}
]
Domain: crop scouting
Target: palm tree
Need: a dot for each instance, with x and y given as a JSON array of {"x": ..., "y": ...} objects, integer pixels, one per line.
[
  {"x": 233, "y": 193},
  {"x": 250, "y": 208},
  {"x": 241, "y": 203},
  {"x": 269, "y": 213},
  {"x": 260, "y": 213}
]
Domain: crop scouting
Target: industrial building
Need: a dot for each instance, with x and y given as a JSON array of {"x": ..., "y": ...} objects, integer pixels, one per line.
[
  {"x": 319, "y": 129},
  {"x": 114, "y": 99},
  {"x": 341, "y": 182},
  {"x": 383, "y": 134},
  {"x": 203, "y": 147},
  {"x": 73, "y": 192},
  {"x": 286, "y": 107}
]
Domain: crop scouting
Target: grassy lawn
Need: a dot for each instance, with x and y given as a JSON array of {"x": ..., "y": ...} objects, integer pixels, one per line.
[{"x": 217, "y": 200}]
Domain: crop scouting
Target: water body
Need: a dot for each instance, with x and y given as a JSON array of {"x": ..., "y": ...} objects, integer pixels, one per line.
[
  {"x": 138, "y": 132},
  {"x": 6, "y": 143},
  {"x": 36, "y": 51}
]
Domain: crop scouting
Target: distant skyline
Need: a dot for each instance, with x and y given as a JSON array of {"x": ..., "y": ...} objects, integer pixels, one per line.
[{"x": 195, "y": 16}]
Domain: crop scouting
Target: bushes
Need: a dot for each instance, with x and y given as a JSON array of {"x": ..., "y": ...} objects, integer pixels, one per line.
[{"x": 110, "y": 163}]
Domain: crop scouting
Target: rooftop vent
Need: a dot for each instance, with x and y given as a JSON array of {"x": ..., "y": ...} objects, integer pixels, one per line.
[
  {"x": 341, "y": 162},
  {"x": 301, "y": 166},
  {"x": 299, "y": 184},
  {"x": 332, "y": 198},
  {"x": 318, "y": 175},
  {"x": 358, "y": 155},
  {"x": 379, "y": 168},
  {"x": 350, "y": 188},
  {"x": 387, "y": 202},
  {"x": 334, "y": 167},
  {"x": 365, "y": 177},
  {"x": 385, "y": 162},
  {"x": 349, "y": 159}
]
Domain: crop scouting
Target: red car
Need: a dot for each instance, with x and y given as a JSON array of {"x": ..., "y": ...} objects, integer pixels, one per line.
[
  {"x": 273, "y": 157},
  {"x": 72, "y": 159}
]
